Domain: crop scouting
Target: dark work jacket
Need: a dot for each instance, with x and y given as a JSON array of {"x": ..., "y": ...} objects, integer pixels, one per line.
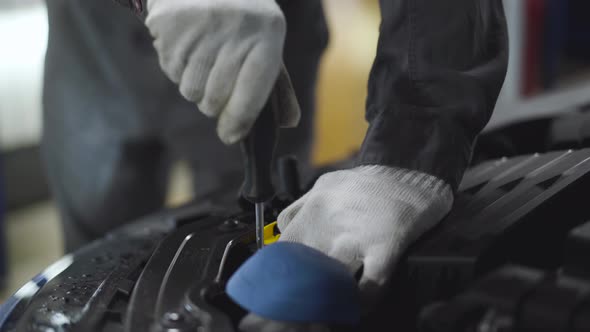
[{"x": 437, "y": 74}]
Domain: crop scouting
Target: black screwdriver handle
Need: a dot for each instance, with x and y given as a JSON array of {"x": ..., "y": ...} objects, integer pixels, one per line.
[{"x": 258, "y": 152}]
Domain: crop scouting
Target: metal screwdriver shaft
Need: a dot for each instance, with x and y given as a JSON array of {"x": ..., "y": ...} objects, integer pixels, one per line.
[
  {"x": 259, "y": 207},
  {"x": 258, "y": 152}
]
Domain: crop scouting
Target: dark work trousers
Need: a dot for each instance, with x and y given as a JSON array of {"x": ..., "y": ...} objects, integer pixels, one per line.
[{"x": 113, "y": 123}]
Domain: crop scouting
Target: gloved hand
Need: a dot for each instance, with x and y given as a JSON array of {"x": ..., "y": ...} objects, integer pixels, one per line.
[
  {"x": 367, "y": 216},
  {"x": 225, "y": 55},
  {"x": 364, "y": 216}
]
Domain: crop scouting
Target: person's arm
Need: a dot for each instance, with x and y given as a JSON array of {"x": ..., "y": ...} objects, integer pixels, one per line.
[
  {"x": 225, "y": 56},
  {"x": 438, "y": 71}
]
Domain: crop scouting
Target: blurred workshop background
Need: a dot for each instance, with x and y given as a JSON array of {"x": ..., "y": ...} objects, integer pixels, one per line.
[{"x": 549, "y": 72}]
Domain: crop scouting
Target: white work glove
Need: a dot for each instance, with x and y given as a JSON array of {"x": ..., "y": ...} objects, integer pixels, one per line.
[
  {"x": 364, "y": 216},
  {"x": 225, "y": 55}
]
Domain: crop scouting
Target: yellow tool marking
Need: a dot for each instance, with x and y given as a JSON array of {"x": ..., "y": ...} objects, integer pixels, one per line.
[{"x": 271, "y": 234}]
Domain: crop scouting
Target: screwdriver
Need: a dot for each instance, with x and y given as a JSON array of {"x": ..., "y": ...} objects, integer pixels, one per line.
[{"x": 258, "y": 152}]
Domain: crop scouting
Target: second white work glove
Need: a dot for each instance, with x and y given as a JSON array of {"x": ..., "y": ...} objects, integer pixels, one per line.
[
  {"x": 367, "y": 216},
  {"x": 225, "y": 55}
]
